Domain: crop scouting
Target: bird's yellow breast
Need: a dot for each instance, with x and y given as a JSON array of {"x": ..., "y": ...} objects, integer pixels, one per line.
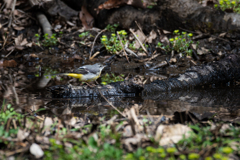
[{"x": 91, "y": 79}]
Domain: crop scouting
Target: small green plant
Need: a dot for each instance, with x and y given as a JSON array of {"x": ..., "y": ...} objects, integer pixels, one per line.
[
  {"x": 151, "y": 5},
  {"x": 113, "y": 44},
  {"x": 181, "y": 43},
  {"x": 60, "y": 34},
  {"x": 84, "y": 34},
  {"x": 8, "y": 114},
  {"x": 131, "y": 46},
  {"x": 159, "y": 45},
  {"x": 90, "y": 151},
  {"x": 38, "y": 39},
  {"x": 48, "y": 41},
  {"x": 112, "y": 28},
  {"x": 107, "y": 78},
  {"x": 233, "y": 5},
  {"x": 152, "y": 153},
  {"x": 193, "y": 156}
]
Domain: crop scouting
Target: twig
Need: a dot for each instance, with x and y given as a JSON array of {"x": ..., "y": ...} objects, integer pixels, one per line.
[
  {"x": 158, "y": 120},
  {"x": 161, "y": 64},
  {"x": 14, "y": 124},
  {"x": 65, "y": 44},
  {"x": 12, "y": 13},
  {"x": 15, "y": 94},
  {"x": 138, "y": 41},
  {"x": 149, "y": 115},
  {"x": 4, "y": 4},
  {"x": 149, "y": 59},
  {"x": 14, "y": 90},
  {"x": 95, "y": 41},
  {"x": 140, "y": 28},
  {"x": 129, "y": 50},
  {"x": 188, "y": 30},
  {"x": 109, "y": 59},
  {"x": 111, "y": 104},
  {"x": 134, "y": 116},
  {"x": 8, "y": 124},
  {"x": 9, "y": 53},
  {"x": 123, "y": 47},
  {"x": 97, "y": 53},
  {"x": 25, "y": 14},
  {"x": 4, "y": 43},
  {"x": 46, "y": 26},
  {"x": 8, "y": 154}
]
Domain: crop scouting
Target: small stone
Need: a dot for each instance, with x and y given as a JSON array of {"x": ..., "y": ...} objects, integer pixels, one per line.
[{"x": 36, "y": 150}]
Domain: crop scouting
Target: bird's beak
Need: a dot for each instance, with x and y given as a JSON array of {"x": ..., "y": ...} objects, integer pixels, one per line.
[{"x": 104, "y": 66}]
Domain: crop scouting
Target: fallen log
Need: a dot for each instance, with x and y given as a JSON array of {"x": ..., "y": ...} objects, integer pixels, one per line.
[
  {"x": 127, "y": 88},
  {"x": 223, "y": 71}
]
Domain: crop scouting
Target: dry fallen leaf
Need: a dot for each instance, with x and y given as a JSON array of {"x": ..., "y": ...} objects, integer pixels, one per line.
[
  {"x": 222, "y": 35},
  {"x": 127, "y": 132},
  {"x": 152, "y": 36},
  {"x": 20, "y": 41},
  {"x": 22, "y": 134},
  {"x": 8, "y": 63},
  {"x": 133, "y": 141},
  {"x": 42, "y": 139},
  {"x": 202, "y": 51},
  {"x": 71, "y": 121},
  {"x": 112, "y": 4},
  {"x": 169, "y": 134},
  {"x": 117, "y": 3},
  {"x": 86, "y": 18},
  {"x": 141, "y": 37},
  {"x": 48, "y": 122},
  {"x": 47, "y": 125}
]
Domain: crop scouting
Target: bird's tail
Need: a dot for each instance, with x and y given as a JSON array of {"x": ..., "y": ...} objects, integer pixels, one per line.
[{"x": 50, "y": 75}]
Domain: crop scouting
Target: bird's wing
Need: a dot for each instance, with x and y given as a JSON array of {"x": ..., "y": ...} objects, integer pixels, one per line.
[
  {"x": 88, "y": 68},
  {"x": 81, "y": 71}
]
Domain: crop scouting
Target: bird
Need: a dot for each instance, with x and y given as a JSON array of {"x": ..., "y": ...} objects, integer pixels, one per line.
[{"x": 87, "y": 73}]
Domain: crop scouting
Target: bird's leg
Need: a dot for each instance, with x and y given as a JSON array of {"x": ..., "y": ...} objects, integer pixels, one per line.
[
  {"x": 96, "y": 82},
  {"x": 90, "y": 85}
]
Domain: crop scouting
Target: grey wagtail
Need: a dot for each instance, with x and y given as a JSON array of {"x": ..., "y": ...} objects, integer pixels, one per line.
[{"x": 87, "y": 73}]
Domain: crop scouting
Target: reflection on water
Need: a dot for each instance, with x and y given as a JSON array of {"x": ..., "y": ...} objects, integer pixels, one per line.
[
  {"x": 221, "y": 103},
  {"x": 94, "y": 105}
]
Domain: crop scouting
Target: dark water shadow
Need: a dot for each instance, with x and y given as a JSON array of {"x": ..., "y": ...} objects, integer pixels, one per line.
[{"x": 221, "y": 103}]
